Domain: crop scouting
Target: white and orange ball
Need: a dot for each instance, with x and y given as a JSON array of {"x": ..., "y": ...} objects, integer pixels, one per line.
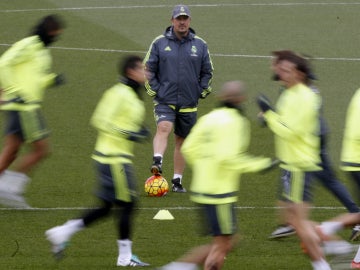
[{"x": 156, "y": 186}]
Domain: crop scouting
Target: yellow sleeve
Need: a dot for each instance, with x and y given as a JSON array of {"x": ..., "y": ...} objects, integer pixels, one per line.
[{"x": 224, "y": 140}]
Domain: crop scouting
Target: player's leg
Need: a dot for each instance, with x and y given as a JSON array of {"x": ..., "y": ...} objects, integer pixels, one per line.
[
  {"x": 160, "y": 142},
  {"x": 298, "y": 193},
  {"x": 329, "y": 180},
  {"x": 12, "y": 144},
  {"x": 283, "y": 229},
  {"x": 39, "y": 150},
  {"x": 307, "y": 235},
  {"x": 36, "y": 133},
  {"x": 220, "y": 222},
  {"x": 164, "y": 117},
  {"x": 17, "y": 178},
  {"x": 297, "y": 215},
  {"x": 340, "y": 222},
  {"x": 123, "y": 176},
  {"x": 223, "y": 226},
  {"x": 191, "y": 260},
  {"x": 179, "y": 161},
  {"x": 59, "y": 236},
  {"x": 98, "y": 213},
  {"x": 220, "y": 247},
  {"x": 125, "y": 217},
  {"x": 29, "y": 127},
  {"x": 196, "y": 255},
  {"x": 106, "y": 194},
  {"x": 355, "y": 176},
  {"x": 13, "y": 139},
  {"x": 179, "y": 166},
  {"x": 183, "y": 125},
  {"x": 11, "y": 188}
]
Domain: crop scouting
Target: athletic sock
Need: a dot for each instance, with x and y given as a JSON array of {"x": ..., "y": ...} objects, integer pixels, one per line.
[
  {"x": 125, "y": 252},
  {"x": 336, "y": 247},
  {"x": 180, "y": 266},
  {"x": 74, "y": 225},
  {"x": 320, "y": 265},
  {"x": 357, "y": 256},
  {"x": 16, "y": 181},
  {"x": 331, "y": 227}
]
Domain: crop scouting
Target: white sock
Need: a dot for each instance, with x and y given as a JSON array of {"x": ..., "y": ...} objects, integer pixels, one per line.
[
  {"x": 357, "y": 256},
  {"x": 125, "y": 252},
  {"x": 177, "y": 176},
  {"x": 14, "y": 182},
  {"x": 74, "y": 225},
  {"x": 180, "y": 266},
  {"x": 331, "y": 227},
  {"x": 320, "y": 265},
  {"x": 15, "y": 174},
  {"x": 337, "y": 247}
]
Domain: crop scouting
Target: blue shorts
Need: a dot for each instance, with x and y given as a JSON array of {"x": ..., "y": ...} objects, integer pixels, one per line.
[
  {"x": 183, "y": 121},
  {"x": 295, "y": 186},
  {"x": 30, "y": 126},
  {"x": 219, "y": 219},
  {"x": 116, "y": 182}
]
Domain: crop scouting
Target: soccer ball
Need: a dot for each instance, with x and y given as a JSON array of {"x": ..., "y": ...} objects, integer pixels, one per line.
[{"x": 156, "y": 186}]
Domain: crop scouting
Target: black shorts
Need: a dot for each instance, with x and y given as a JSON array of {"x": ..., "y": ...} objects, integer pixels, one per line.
[
  {"x": 116, "y": 182},
  {"x": 30, "y": 125},
  {"x": 219, "y": 219},
  {"x": 295, "y": 186},
  {"x": 182, "y": 119}
]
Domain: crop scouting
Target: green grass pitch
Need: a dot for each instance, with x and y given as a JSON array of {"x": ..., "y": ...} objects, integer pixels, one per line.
[{"x": 241, "y": 35}]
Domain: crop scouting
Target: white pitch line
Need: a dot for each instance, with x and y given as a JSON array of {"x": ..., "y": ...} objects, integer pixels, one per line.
[
  {"x": 212, "y": 54},
  {"x": 194, "y": 5},
  {"x": 157, "y": 208}
]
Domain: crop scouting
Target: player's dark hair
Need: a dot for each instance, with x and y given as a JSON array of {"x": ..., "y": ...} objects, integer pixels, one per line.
[
  {"x": 301, "y": 63},
  {"x": 47, "y": 25},
  {"x": 282, "y": 55},
  {"x": 129, "y": 62}
]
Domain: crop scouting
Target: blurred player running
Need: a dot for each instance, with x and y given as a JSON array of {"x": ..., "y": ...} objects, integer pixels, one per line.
[
  {"x": 24, "y": 77},
  {"x": 118, "y": 118}
]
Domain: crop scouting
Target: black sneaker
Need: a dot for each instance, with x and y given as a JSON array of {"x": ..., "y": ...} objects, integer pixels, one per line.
[
  {"x": 355, "y": 233},
  {"x": 177, "y": 186},
  {"x": 156, "y": 166},
  {"x": 283, "y": 231}
]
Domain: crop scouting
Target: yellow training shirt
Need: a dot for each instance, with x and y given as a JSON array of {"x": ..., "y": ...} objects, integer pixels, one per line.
[
  {"x": 295, "y": 124},
  {"x": 216, "y": 149},
  {"x": 25, "y": 73},
  {"x": 118, "y": 113},
  {"x": 350, "y": 154}
]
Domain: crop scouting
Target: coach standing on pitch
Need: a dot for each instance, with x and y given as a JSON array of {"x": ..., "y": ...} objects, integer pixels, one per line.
[{"x": 179, "y": 72}]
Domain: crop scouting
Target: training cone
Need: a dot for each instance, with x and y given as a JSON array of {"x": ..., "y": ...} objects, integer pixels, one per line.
[{"x": 163, "y": 215}]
